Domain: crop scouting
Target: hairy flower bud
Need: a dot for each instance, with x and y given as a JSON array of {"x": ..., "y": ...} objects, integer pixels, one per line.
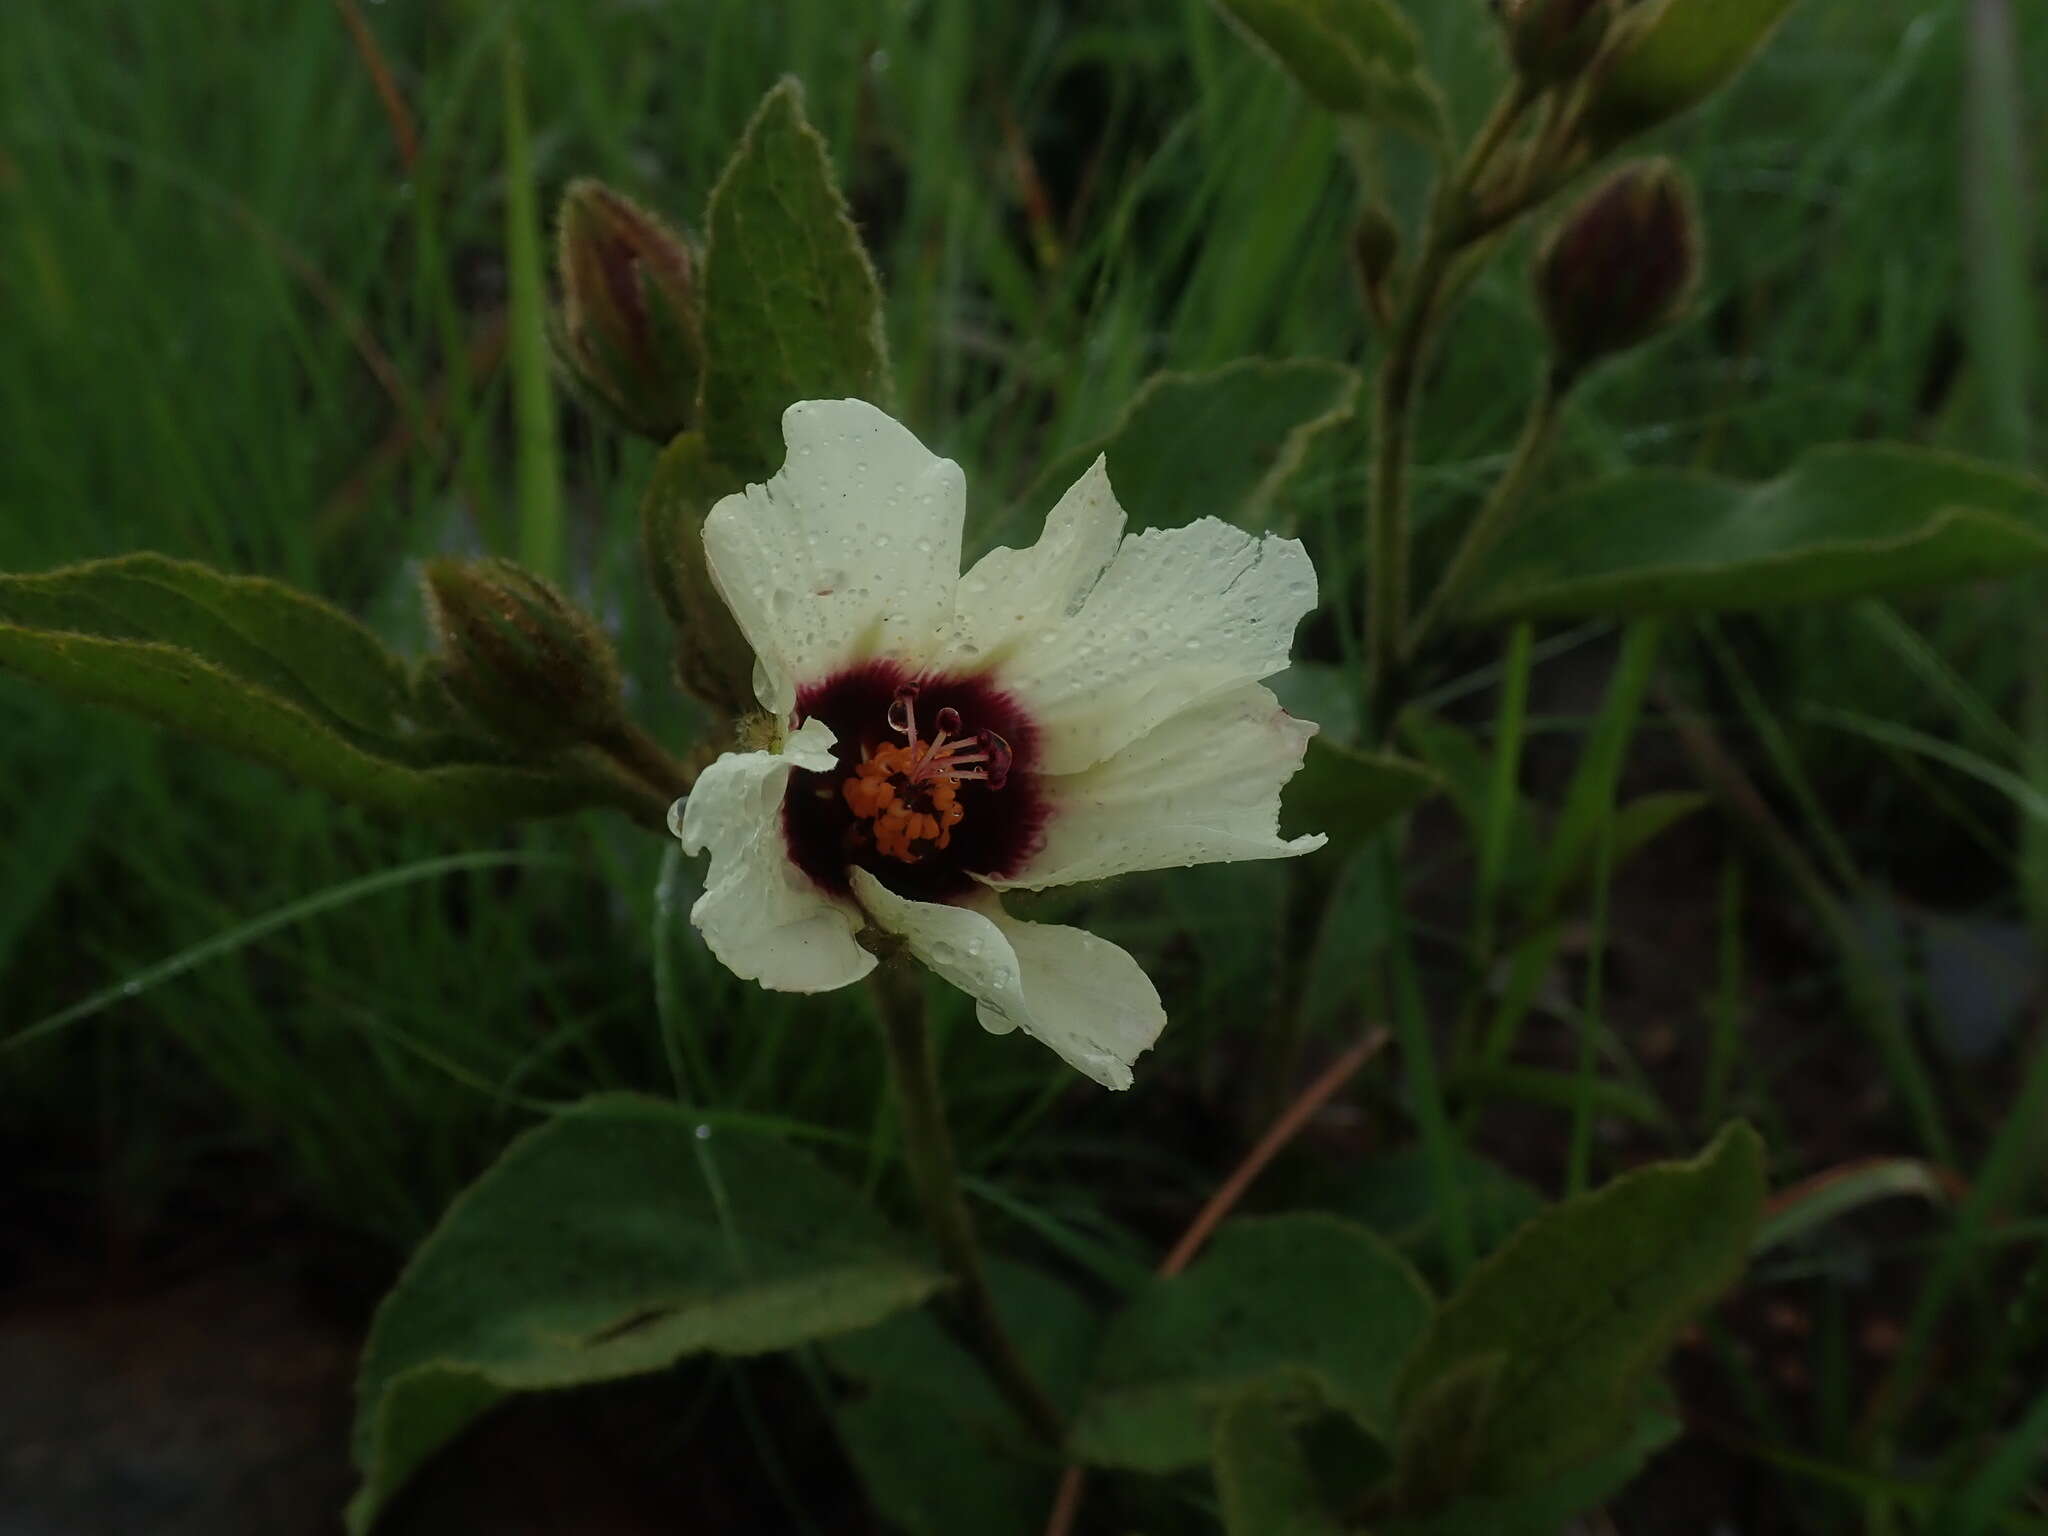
[
  {"x": 630, "y": 334},
  {"x": 713, "y": 660},
  {"x": 519, "y": 658},
  {"x": 1553, "y": 40},
  {"x": 1621, "y": 265}
]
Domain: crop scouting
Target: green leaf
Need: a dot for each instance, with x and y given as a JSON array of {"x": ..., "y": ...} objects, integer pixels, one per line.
[
  {"x": 1443, "y": 1430},
  {"x": 1349, "y": 794},
  {"x": 1578, "y": 1309},
  {"x": 1354, "y": 57},
  {"x": 1546, "y": 1510},
  {"x": 1669, "y": 57},
  {"x": 1217, "y": 444},
  {"x": 176, "y": 688},
  {"x": 609, "y": 1242},
  {"x": 265, "y": 670},
  {"x": 1263, "y": 1476},
  {"x": 295, "y": 647},
  {"x": 1845, "y": 521},
  {"x": 1304, "y": 1308},
  {"x": 792, "y": 310},
  {"x": 937, "y": 1448}
]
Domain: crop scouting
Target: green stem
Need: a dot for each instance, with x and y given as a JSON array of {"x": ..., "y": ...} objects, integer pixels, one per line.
[
  {"x": 928, "y": 1149},
  {"x": 1394, "y": 399},
  {"x": 1387, "y": 511},
  {"x": 1539, "y": 431},
  {"x": 645, "y": 758}
]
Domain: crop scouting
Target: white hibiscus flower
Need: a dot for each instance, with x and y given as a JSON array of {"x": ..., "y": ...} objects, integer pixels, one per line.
[{"x": 1085, "y": 707}]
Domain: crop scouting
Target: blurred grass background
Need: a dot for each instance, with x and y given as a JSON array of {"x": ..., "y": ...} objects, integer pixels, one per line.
[{"x": 249, "y": 318}]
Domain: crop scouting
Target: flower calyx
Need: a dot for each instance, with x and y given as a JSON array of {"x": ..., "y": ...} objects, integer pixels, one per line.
[{"x": 518, "y": 658}]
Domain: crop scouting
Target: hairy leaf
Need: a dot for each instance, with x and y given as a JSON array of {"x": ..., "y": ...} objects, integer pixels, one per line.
[
  {"x": 792, "y": 310},
  {"x": 1845, "y": 521},
  {"x": 304, "y": 651},
  {"x": 937, "y": 1447},
  {"x": 1305, "y": 1308},
  {"x": 1263, "y": 1476},
  {"x": 612, "y": 1241},
  {"x": 1571, "y": 1316},
  {"x": 178, "y": 689}
]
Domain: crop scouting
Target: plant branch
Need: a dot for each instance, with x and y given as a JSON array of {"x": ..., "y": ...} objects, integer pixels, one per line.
[
  {"x": 640, "y": 755},
  {"x": 1414, "y": 324},
  {"x": 928, "y": 1149}
]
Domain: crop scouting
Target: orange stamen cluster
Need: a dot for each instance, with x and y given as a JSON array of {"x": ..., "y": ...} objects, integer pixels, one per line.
[{"x": 910, "y": 794}]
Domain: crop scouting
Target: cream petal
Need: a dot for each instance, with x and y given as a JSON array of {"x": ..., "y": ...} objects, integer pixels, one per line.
[
  {"x": 760, "y": 914},
  {"x": 1012, "y": 596},
  {"x": 1178, "y": 617},
  {"x": 960, "y": 943},
  {"x": 1081, "y": 995},
  {"x": 1200, "y": 788},
  {"x": 851, "y": 550},
  {"x": 1087, "y": 998}
]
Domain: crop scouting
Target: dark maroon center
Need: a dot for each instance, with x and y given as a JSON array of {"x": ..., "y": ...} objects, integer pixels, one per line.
[{"x": 1001, "y": 817}]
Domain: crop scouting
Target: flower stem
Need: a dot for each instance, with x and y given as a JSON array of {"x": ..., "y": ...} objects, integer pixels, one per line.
[
  {"x": 1450, "y": 232},
  {"x": 640, "y": 755},
  {"x": 928, "y": 1149},
  {"x": 1539, "y": 431}
]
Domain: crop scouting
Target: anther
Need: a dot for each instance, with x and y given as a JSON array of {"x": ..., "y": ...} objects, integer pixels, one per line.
[{"x": 998, "y": 754}]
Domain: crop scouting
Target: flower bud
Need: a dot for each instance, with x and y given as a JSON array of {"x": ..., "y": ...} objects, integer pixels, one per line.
[
  {"x": 1667, "y": 57},
  {"x": 1554, "y": 40},
  {"x": 713, "y": 660},
  {"x": 517, "y": 657},
  {"x": 1621, "y": 265},
  {"x": 630, "y": 334}
]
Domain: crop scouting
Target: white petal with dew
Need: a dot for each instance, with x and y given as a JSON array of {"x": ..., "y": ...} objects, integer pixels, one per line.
[
  {"x": 850, "y": 551},
  {"x": 1200, "y": 788},
  {"x": 1081, "y": 995},
  {"x": 1179, "y": 616},
  {"x": 1014, "y": 595},
  {"x": 761, "y": 915}
]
